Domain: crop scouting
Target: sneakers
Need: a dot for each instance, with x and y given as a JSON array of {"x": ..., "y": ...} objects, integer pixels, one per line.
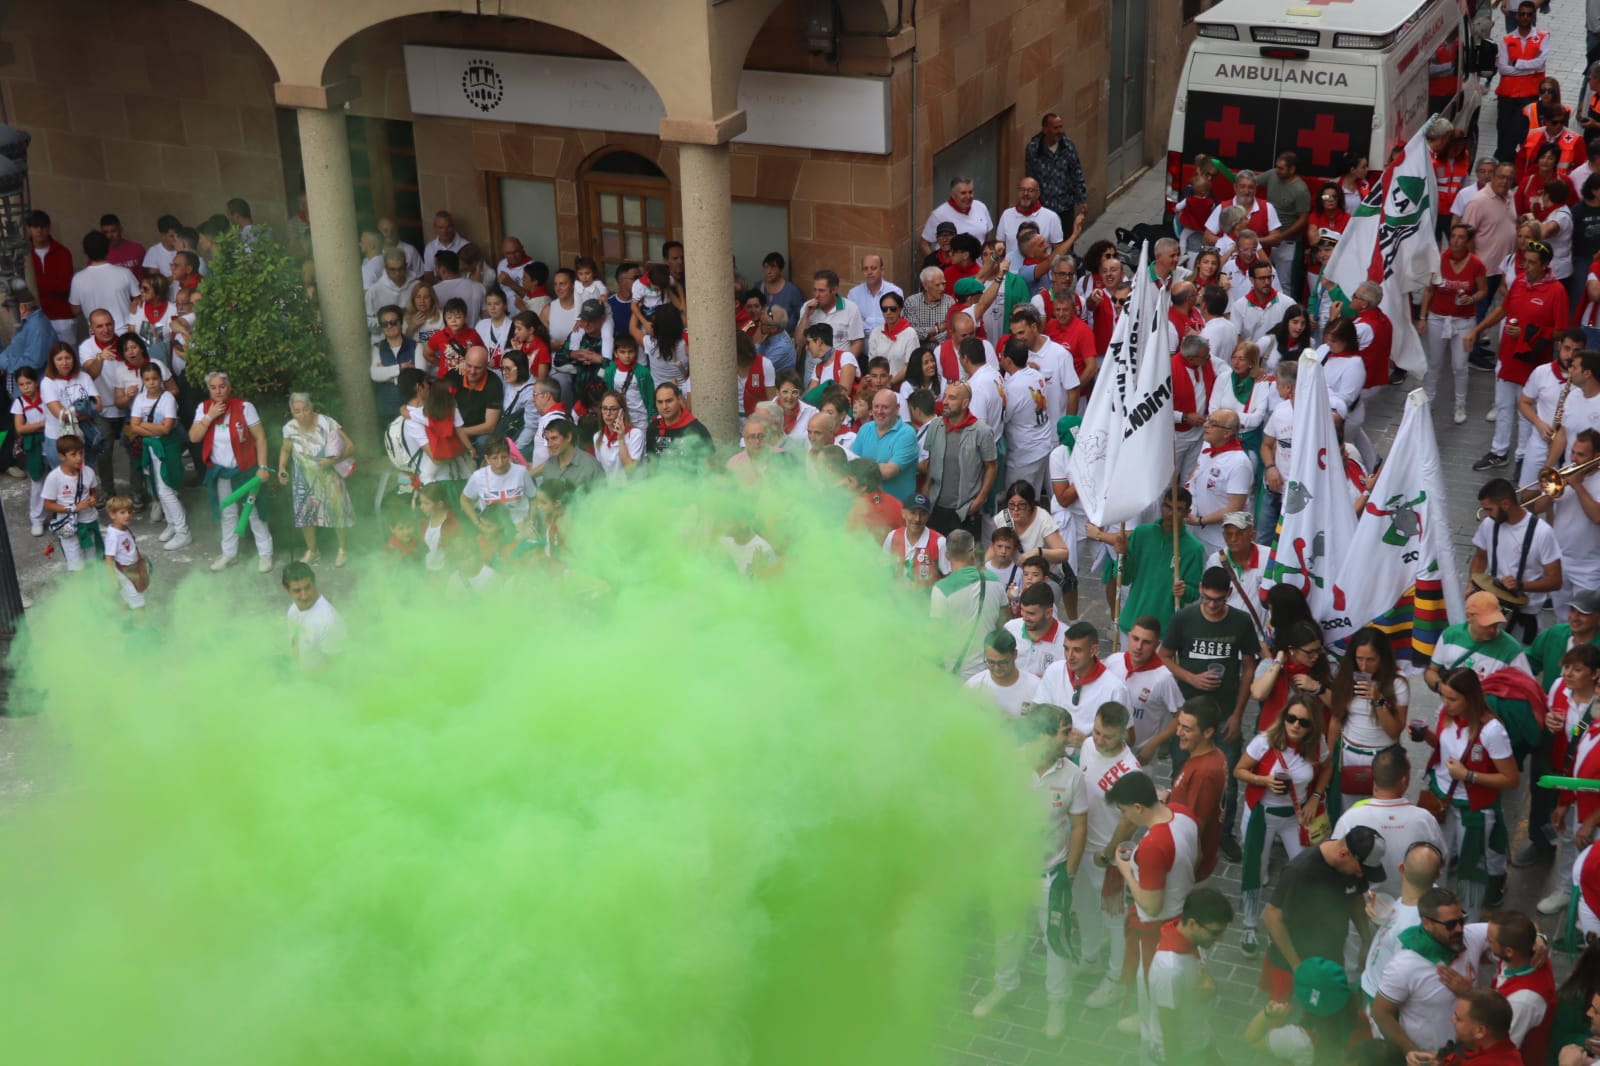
[
  {"x": 987, "y": 1004},
  {"x": 36, "y": 528},
  {"x": 1230, "y": 849},
  {"x": 155, "y": 512},
  {"x": 265, "y": 564},
  {"x": 1248, "y": 943},
  {"x": 1128, "y": 1026},
  {"x": 1481, "y": 361},
  {"x": 341, "y": 558},
  {"x": 1055, "y": 1022},
  {"x": 167, "y": 534},
  {"x": 1555, "y": 902},
  {"x": 179, "y": 542},
  {"x": 1460, "y": 416},
  {"x": 224, "y": 561},
  {"x": 1491, "y": 460},
  {"x": 1396, "y": 376},
  {"x": 1492, "y": 415},
  {"x": 16, "y": 472},
  {"x": 1106, "y": 993}
]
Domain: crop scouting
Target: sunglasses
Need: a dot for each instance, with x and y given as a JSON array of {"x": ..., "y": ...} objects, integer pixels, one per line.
[
  {"x": 1295, "y": 719},
  {"x": 390, "y": 322},
  {"x": 1448, "y": 923}
]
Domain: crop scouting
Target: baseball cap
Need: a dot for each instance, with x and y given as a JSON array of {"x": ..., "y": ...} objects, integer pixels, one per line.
[
  {"x": 1484, "y": 609},
  {"x": 1321, "y": 987},
  {"x": 969, "y": 287},
  {"x": 1370, "y": 851},
  {"x": 944, "y": 227},
  {"x": 919, "y": 502},
  {"x": 1238, "y": 520},
  {"x": 591, "y": 311},
  {"x": 1586, "y": 602}
]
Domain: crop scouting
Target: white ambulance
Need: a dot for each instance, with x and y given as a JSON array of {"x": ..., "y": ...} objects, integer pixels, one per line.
[{"x": 1325, "y": 79}]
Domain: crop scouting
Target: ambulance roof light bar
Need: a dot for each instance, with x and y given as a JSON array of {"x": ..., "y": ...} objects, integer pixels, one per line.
[{"x": 1219, "y": 31}]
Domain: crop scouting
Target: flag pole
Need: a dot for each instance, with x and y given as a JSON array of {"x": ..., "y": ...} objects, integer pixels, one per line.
[
  {"x": 1172, "y": 501},
  {"x": 1116, "y": 599}
]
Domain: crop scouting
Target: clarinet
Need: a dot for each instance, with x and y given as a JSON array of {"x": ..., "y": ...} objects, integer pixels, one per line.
[{"x": 1561, "y": 405}]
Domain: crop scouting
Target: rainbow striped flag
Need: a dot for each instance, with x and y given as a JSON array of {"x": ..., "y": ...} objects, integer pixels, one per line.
[{"x": 1414, "y": 625}]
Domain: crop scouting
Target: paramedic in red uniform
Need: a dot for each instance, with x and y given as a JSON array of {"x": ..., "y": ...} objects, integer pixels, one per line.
[{"x": 1520, "y": 62}]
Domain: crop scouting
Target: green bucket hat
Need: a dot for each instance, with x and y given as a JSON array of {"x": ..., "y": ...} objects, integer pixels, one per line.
[{"x": 1321, "y": 987}]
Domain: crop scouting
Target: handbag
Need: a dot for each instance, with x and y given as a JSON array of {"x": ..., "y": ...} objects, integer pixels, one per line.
[
  {"x": 335, "y": 448},
  {"x": 1318, "y": 829},
  {"x": 1430, "y": 801},
  {"x": 138, "y": 574}
]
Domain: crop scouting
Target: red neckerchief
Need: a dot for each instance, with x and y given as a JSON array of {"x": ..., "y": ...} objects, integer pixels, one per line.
[
  {"x": 1254, "y": 302},
  {"x": 967, "y": 419},
  {"x": 1127, "y": 660},
  {"x": 190, "y": 282},
  {"x": 1255, "y": 558},
  {"x": 1174, "y": 941},
  {"x": 610, "y": 437},
  {"x": 36, "y": 405},
  {"x": 1087, "y": 679},
  {"x": 513, "y": 263},
  {"x": 1032, "y": 210},
  {"x": 537, "y": 291},
  {"x": 844, "y": 429},
  {"x": 160, "y": 309},
  {"x": 683, "y": 419},
  {"x": 1555, "y": 368},
  {"x": 105, "y": 351},
  {"x": 900, "y": 326},
  {"x": 963, "y": 210},
  {"x": 791, "y": 419},
  {"x": 1232, "y": 446},
  {"x": 943, "y": 257}
]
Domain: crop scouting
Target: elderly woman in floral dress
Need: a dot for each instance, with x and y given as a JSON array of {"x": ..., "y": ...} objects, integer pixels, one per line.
[{"x": 322, "y": 454}]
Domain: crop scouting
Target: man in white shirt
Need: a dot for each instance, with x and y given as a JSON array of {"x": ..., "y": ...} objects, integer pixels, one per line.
[
  {"x": 1080, "y": 682},
  {"x": 1104, "y": 761},
  {"x": 1153, "y": 693},
  {"x": 1420, "y": 868},
  {"x": 371, "y": 244},
  {"x": 1029, "y": 209},
  {"x": 158, "y": 256},
  {"x": 826, "y": 305},
  {"x": 1541, "y": 395},
  {"x": 1261, "y": 307},
  {"x": 1220, "y": 332},
  {"x": 392, "y": 289},
  {"x": 1030, "y": 431},
  {"x": 391, "y": 242},
  {"x": 1040, "y": 637},
  {"x": 1221, "y": 480},
  {"x": 963, "y": 211},
  {"x": 1574, "y": 519},
  {"x": 1000, "y": 681},
  {"x": 988, "y": 398},
  {"x": 1483, "y": 173},
  {"x": 1051, "y": 360},
  {"x": 866, "y": 295},
  {"x": 1515, "y": 548},
  {"x": 1437, "y": 961},
  {"x": 1241, "y": 556},
  {"x": 316, "y": 632},
  {"x": 445, "y": 239},
  {"x": 452, "y": 286},
  {"x": 1177, "y": 1021},
  {"x": 1400, "y": 822},
  {"x": 102, "y": 286},
  {"x": 1582, "y": 409}
]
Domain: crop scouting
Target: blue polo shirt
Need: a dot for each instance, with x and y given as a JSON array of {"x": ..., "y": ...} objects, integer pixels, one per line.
[{"x": 899, "y": 446}]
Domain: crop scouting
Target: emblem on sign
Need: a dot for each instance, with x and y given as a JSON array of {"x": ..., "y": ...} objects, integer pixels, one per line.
[{"x": 482, "y": 85}]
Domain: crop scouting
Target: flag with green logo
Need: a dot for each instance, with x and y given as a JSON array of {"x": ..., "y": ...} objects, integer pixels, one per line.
[{"x": 1390, "y": 240}]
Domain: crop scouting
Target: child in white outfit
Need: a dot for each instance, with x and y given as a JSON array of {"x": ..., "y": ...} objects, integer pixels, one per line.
[
  {"x": 27, "y": 419},
  {"x": 129, "y": 569},
  {"x": 69, "y": 498}
]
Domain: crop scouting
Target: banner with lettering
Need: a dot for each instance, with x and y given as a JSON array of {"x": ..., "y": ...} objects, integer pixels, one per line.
[
  {"x": 1390, "y": 240},
  {"x": 1400, "y": 553},
  {"x": 1318, "y": 513},
  {"x": 1123, "y": 460}
]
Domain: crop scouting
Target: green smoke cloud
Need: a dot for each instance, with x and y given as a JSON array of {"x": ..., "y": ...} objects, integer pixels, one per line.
[{"x": 647, "y": 812}]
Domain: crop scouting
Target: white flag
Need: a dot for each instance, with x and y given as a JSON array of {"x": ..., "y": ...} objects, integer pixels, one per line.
[
  {"x": 1390, "y": 240},
  {"x": 1403, "y": 538},
  {"x": 1122, "y": 461},
  {"x": 1318, "y": 507}
]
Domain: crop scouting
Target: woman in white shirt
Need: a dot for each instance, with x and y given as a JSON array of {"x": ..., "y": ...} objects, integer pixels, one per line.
[
  {"x": 561, "y": 313},
  {"x": 1370, "y": 702},
  {"x": 423, "y": 317},
  {"x": 896, "y": 339},
  {"x": 1248, "y": 392},
  {"x": 1033, "y": 525},
  {"x": 151, "y": 314},
  {"x": 65, "y": 384},
  {"x": 495, "y": 327},
  {"x": 518, "y": 399},
  {"x": 618, "y": 446},
  {"x": 797, "y": 414}
]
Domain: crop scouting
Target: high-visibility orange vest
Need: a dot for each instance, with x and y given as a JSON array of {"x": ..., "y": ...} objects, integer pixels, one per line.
[
  {"x": 1450, "y": 175},
  {"x": 1520, "y": 48},
  {"x": 1574, "y": 153},
  {"x": 1442, "y": 77}
]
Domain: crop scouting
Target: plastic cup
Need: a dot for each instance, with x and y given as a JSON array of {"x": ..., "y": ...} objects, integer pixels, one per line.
[
  {"x": 1418, "y": 728},
  {"x": 1216, "y": 670},
  {"x": 1125, "y": 852}
]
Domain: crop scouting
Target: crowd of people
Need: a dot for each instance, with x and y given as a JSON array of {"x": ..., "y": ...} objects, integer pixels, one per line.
[{"x": 508, "y": 391}]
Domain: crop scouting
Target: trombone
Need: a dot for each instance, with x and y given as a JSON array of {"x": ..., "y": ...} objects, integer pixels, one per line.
[{"x": 1551, "y": 483}]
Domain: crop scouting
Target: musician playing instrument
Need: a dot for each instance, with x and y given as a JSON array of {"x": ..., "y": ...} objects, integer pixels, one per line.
[
  {"x": 1574, "y": 517},
  {"x": 1517, "y": 556},
  {"x": 1581, "y": 410},
  {"x": 1543, "y": 403}
]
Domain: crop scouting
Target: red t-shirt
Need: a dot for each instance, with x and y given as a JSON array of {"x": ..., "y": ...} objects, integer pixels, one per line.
[
  {"x": 878, "y": 513},
  {"x": 1077, "y": 339},
  {"x": 1453, "y": 283},
  {"x": 1542, "y": 306},
  {"x": 439, "y": 345},
  {"x": 1200, "y": 788}
]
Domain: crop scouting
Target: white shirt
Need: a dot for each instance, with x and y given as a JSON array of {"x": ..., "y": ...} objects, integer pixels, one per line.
[
  {"x": 1253, "y": 412},
  {"x": 1153, "y": 694},
  {"x": 1543, "y": 389},
  {"x": 745, "y": 555},
  {"x": 435, "y": 246},
  {"x": 315, "y": 634},
  {"x": 976, "y": 221},
  {"x": 157, "y": 258},
  {"x": 65, "y": 392},
  {"x": 1173, "y": 984},
  {"x": 1453, "y": 745},
  {"x": 466, "y": 290},
  {"x": 222, "y": 440},
  {"x": 866, "y": 302},
  {"x": 1253, "y": 321},
  {"x": 1426, "y": 1004},
  {"x": 1578, "y": 536},
  {"x": 1400, "y": 823},
  {"x": 610, "y": 454},
  {"x": 1580, "y": 413},
  {"x": 1223, "y": 336},
  {"x": 1249, "y": 576},
  {"x": 921, "y": 544},
  {"x": 988, "y": 402},
  {"x": 514, "y": 489},
  {"x": 1214, "y": 479},
  {"x": 1361, "y": 728},
  {"x": 1054, "y": 364},
  {"x": 120, "y": 546},
  {"x": 1011, "y": 220},
  {"x": 1280, "y": 427},
  {"x": 1346, "y": 376},
  {"x": 1013, "y": 700},
  {"x": 1509, "y": 538},
  {"x": 1100, "y": 772},
  {"x": 69, "y": 491},
  {"x": 1056, "y": 687},
  {"x": 1037, "y": 656},
  {"x": 844, "y": 317},
  {"x": 1386, "y": 941},
  {"x": 1214, "y": 222},
  {"x": 1030, "y": 431},
  {"x": 104, "y": 287}
]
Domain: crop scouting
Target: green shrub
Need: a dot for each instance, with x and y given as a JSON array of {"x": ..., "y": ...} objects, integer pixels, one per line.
[{"x": 255, "y": 321}]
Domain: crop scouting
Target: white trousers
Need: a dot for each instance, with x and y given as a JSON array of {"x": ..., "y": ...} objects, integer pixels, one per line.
[
  {"x": 230, "y": 522},
  {"x": 1444, "y": 342},
  {"x": 1284, "y": 827},
  {"x": 172, "y": 507},
  {"x": 1096, "y": 928},
  {"x": 1187, "y": 452},
  {"x": 35, "y": 501},
  {"x": 1508, "y": 418},
  {"x": 1011, "y": 938},
  {"x": 1036, "y": 473},
  {"x": 70, "y": 551},
  {"x": 66, "y": 330},
  {"x": 130, "y": 595}
]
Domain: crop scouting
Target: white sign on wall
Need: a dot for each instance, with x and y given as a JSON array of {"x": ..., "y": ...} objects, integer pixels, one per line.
[{"x": 795, "y": 110}]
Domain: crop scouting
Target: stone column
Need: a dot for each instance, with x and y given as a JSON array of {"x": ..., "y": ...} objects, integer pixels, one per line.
[
  {"x": 704, "y": 187},
  {"x": 330, "y": 202}
]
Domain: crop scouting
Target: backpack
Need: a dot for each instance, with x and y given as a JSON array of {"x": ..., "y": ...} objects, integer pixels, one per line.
[
  {"x": 515, "y": 416},
  {"x": 394, "y": 446}
]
